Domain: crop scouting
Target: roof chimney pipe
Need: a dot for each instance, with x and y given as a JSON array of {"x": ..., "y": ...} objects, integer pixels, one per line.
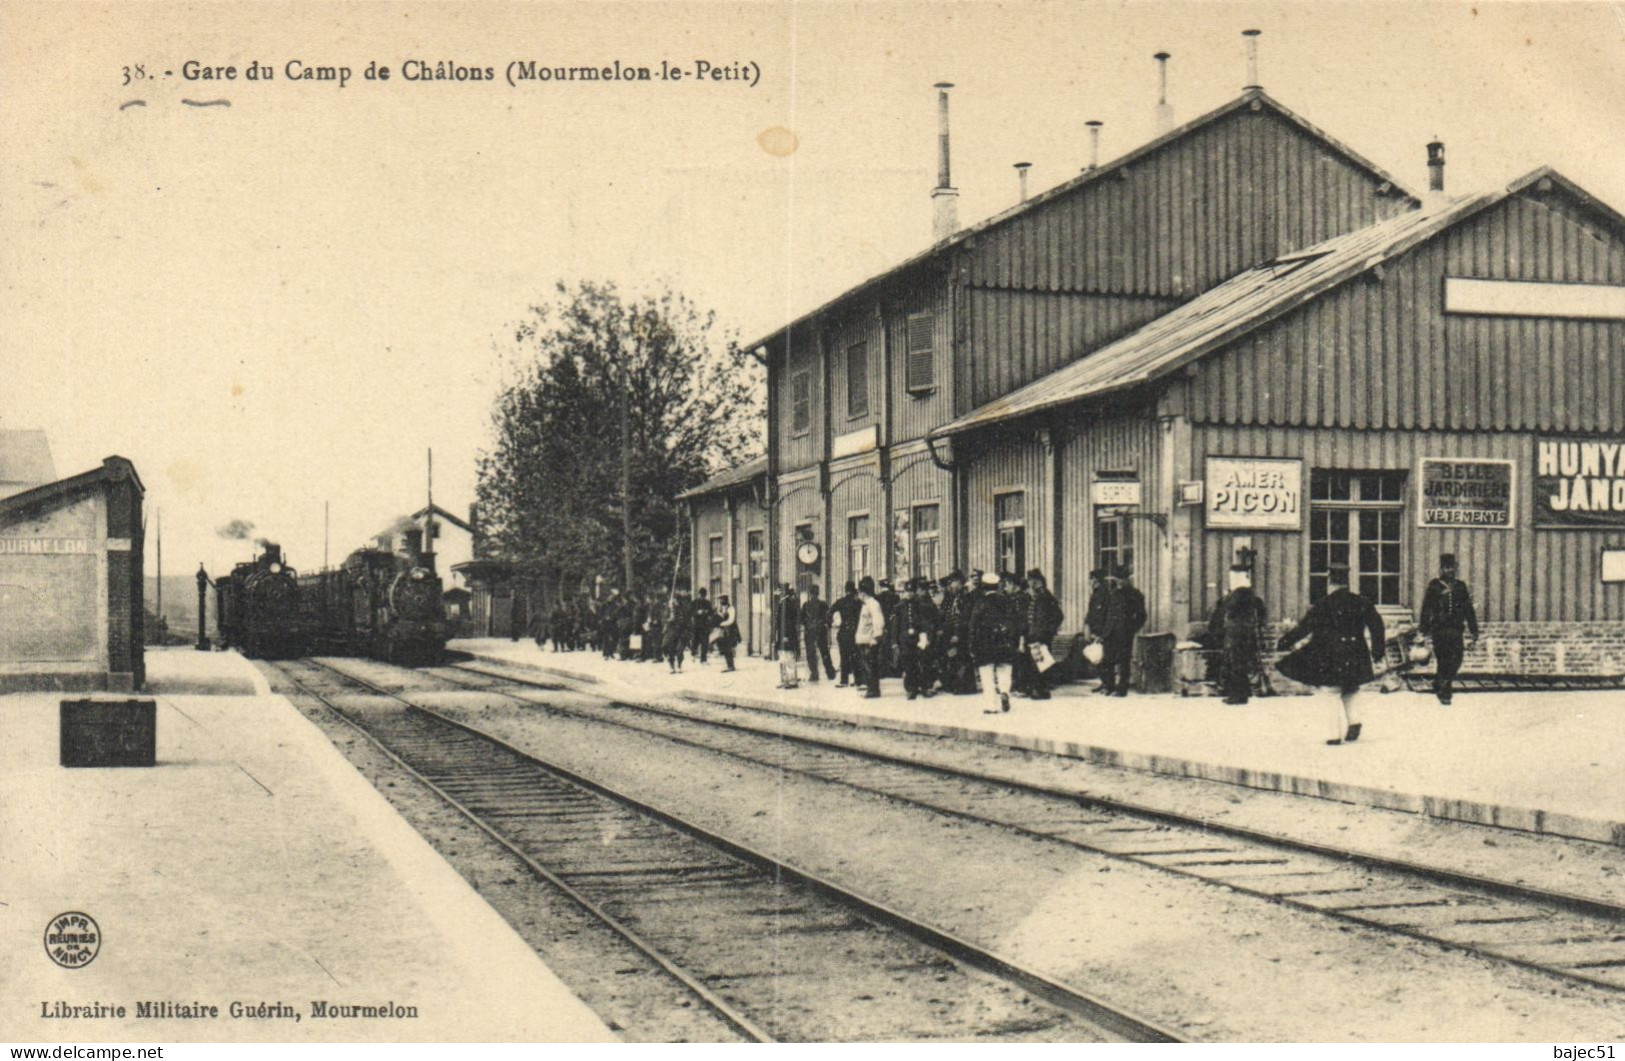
[
  {"x": 1021, "y": 174},
  {"x": 1165, "y": 113},
  {"x": 1252, "y": 84},
  {"x": 1094, "y": 144},
  {"x": 944, "y": 197},
  {"x": 1436, "y": 170}
]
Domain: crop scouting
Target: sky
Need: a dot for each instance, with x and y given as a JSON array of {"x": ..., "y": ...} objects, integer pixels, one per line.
[{"x": 286, "y": 300}]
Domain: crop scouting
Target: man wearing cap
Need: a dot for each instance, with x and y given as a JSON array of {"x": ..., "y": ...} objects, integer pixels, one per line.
[
  {"x": 787, "y": 642},
  {"x": 871, "y": 635},
  {"x": 1337, "y": 655},
  {"x": 952, "y": 651},
  {"x": 1094, "y": 614},
  {"x": 1124, "y": 616},
  {"x": 815, "y": 630},
  {"x": 1447, "y": 609},
  {"x": 1236, "y": 626},
  {"x": 995, "y": 636},
  {"x": 1041, "y": 622},
  {"x": 913, "y": 623},
  {"x": 846, "y": 612}
]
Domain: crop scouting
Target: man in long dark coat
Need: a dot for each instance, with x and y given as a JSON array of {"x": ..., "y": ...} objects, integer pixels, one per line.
[
  {"x": 847, "y": 610},
  {"x": 1337, "y": 655},
  {"x": 1041, "y": 622},
  {"x": 995, "y": 638},
  {"x": 954, "y": 664},
  {"x": 1447, "y": 610},
  {"x": 912, "y": 625},
  {"x": 1124, "y": 616},
  {"x": 704, "y": 621},
  {"x": 787, "y": 635},
  {"x": 1094, "y": 614},
  {"x": 1236, "y": 629}
]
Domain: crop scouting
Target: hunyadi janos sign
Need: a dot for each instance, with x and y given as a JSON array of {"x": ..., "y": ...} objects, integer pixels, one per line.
[
  {"x": 1579, "y": 482},
  {"x": 1464, "y": 492},
  {"x": 1254, "y": 493}
]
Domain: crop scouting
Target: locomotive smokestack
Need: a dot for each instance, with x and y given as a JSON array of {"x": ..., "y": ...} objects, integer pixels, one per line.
[
  {"x": 412, "y": 542},
  {"x": 944, "y": 197}
]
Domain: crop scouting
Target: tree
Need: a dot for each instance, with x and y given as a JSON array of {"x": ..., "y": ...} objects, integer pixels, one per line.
[{"x": 550, "y": 488}]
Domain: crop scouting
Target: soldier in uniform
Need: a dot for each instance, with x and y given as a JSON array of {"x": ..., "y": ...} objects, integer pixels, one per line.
[
  {"x": 1123, "y": 618},
  {"x": 995, "y": 638},
  {"x": 787, "y": 639},
  {"x": 815, "y": 632},
  {"x": 1337, "y": 655},
  {"x": 913, "y": 624},
  {"x": 1447, "y": 609},
  {"x": 1094, "y": 615},
  {"x": 1041, "y": 622},
  {"x": 1236, "y": 629},
  {"x": 704, "y": 619}
]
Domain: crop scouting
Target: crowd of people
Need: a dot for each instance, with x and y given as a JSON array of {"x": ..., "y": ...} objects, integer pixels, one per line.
[
  {"x": 990, "y": 633},
  {"x": 993, "y": 634}
]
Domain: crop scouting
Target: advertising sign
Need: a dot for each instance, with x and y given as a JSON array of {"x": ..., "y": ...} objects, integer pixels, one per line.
[
  {"x": 1124, "y": 492},
  {"x": 1579, "y": 482},
  {"x": 1254, "y": 493},
  {"x": 1464, "y": 492}
]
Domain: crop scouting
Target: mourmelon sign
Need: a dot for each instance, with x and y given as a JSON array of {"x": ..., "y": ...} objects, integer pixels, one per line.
[{"x": 1254, "y": 493}]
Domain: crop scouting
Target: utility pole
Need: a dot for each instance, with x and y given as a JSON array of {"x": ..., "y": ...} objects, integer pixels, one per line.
[
  {"x": 159, "y": 611},
  {"x": 626, "y": 472}
]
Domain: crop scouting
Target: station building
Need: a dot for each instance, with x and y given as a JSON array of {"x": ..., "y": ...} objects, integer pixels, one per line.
[
  {"x": 1242, "y": 334},
  {"x": 729, "y": 526},
  {"x": 70, "y": 582}
]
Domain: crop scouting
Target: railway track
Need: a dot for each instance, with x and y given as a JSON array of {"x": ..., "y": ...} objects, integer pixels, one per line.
[
  {"x": 1566, "y": 936},
  {"x": 773, "y": 951}
]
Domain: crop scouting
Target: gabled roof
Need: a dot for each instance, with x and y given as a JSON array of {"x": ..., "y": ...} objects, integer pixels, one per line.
[
  {"x": 44, "y": 497},
  {"x": 1246, "y": 302},
  {"x": 735, "y": 476},
  {"x": 443, "y": 514},
  {"x": 1242, "y": 102}
]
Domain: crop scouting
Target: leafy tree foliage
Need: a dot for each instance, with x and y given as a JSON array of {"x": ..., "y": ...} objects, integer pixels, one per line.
[{"x": 550, "y": 487}]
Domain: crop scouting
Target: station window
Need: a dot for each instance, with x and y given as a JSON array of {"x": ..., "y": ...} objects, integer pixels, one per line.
[
  {"x": 922, "y": 354},
  {"x": 801, "y": 403},
  {"x": 1114, "y": 540},
  {"x": 1010, "y": 531},
  {"x": 857, "y": 380},
  {"x": 717, "y": 560},
  {"x": 857, "y": 547},
  {"x": 1357, "y": 518},
  {"x": 927, "y": 539}
]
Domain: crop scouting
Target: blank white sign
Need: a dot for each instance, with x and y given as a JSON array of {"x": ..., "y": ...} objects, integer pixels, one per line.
[
  {"x": 1613, "y": 565},
  {"x": 1517, "y": 298}
]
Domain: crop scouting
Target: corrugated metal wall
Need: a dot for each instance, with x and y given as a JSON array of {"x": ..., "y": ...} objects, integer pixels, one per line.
[
  {"x": 914, "y": 480},
  {"x": 798, "y": 451},
  {"x": 861, "y": 325},
  {"x": 1518, "y": 575},
  {"x": 913, "y": 414},
  {"x": 1014, "y": 337},
  {"x": 1238, "y": 191},
  {"x": 710, "y": 517},
  {"x": 1130, "y": 442},
  {"x": 856, "y": 488},
  {"x": 798, "y": 502},
  {"x": 1383, "y": 353},
  {"x": 1006, "y": 460}
]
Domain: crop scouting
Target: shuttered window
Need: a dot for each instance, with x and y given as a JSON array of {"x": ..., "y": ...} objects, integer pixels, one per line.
[
  {"x": 922, "y": 354},
  {"x": 801, "y": 403},
  {"x": 857, "y": 379}
]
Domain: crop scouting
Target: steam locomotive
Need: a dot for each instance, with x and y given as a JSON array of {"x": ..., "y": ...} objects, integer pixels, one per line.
[
  {"x": 379, "y": 604},
  {"x": 257, "y": 607}
]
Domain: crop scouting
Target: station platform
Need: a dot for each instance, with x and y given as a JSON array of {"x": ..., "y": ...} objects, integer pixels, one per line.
[
  {"x": 1542, "y": 763},
  {"x": 252, "y": 866}
]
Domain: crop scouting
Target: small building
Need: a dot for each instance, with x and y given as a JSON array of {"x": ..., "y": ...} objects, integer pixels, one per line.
[
  {"x": 450, "y": 538},
  {"x": 71, "y": 611},
  {"x": 728, "y": 528}
]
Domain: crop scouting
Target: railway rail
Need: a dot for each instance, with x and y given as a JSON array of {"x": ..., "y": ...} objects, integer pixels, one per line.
[
  {"x": 1568, "y": 936},
  {"x": 773, "y": 951}
]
